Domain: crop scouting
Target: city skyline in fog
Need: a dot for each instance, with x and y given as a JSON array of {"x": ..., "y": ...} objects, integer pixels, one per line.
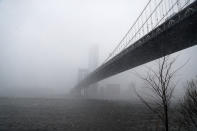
[{"x": 44, "y": 43}]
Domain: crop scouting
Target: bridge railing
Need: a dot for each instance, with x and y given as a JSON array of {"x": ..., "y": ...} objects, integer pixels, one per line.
[{"x": 154, "y": 14}]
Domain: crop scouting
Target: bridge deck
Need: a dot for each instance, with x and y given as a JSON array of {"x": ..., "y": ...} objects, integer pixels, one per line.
[{"x": 177, "y": 33}]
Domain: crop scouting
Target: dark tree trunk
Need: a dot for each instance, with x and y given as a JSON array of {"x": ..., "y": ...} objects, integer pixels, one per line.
[{"x": 166, "y": 116}]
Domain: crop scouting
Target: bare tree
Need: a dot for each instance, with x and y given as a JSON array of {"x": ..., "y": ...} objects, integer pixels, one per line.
[
  {"x": 159, "y": 81},
  {"x": 188, "y": 106}
]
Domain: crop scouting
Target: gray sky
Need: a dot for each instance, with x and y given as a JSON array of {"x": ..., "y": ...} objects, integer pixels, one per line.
[{"x": 44, "y": 42}]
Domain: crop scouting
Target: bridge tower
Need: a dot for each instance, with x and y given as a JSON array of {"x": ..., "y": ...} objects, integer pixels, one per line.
[
  {"x": 82, "y": 73},
  {"x": 92, "y": 91}
]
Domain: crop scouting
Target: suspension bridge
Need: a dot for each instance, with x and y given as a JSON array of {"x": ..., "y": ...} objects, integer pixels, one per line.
[{"x": 162, "y": 28}]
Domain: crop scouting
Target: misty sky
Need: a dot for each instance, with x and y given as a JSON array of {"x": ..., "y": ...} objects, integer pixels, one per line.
[{"x": 44, "y": 42}]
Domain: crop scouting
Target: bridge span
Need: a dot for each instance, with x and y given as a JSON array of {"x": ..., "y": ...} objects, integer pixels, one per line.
[{"x": 169, "y": 34}]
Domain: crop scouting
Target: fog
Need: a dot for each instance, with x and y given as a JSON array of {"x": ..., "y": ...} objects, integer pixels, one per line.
[{"x": 43, "y": 43}]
